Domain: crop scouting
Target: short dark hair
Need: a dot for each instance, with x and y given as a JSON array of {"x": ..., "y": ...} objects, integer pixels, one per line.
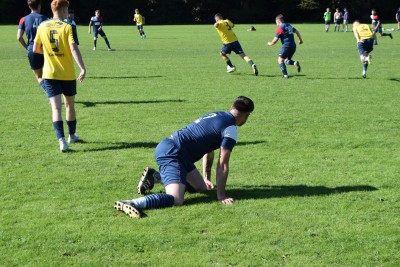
[
  {"x": 34, "y": 4},
  {"x": 219, "y": 15},
  {"x": 280, "y": 17},
  {"x": 243, "y": 104}
]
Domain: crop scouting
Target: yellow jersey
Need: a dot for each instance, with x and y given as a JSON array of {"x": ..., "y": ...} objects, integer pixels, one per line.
[
  {"x": 364, "y": 31},
  {"x": 56, "y": 36},
  {"x": 139, "y": 19},
  {"x": 224, "y": 29}
]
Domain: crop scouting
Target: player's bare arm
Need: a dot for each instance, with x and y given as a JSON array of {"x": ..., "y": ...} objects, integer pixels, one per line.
[
  {"x": 90, "y": 27},
  {"x": 78, "y": 59},
  {"x": 273, "y": 41},
  {"x": 299, "y": 36},
  {"x": 207, "y": 165},
  {"x": 38, "y": 49},
  {"x": 20, "y": 38},
  {"x": 222, "y": 176}
]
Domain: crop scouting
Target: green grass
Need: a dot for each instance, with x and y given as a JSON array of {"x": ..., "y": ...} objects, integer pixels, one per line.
[{"x": 315, "y": 173}]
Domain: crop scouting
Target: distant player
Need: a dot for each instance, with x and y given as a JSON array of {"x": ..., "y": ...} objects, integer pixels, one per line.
[
  {"x": 140, "y": 20},
  {"x": 29, "y": 25},
  {"x": 338, "y": 19},
  {"x": 97, "y": 22},
  {"x": 70, "y": 20},
  {"x": 365, "y": 43},
  {"x": 177, "y": 154},
  {"x": 284, "y": 32},
  {"x": 55, "y": 40},
  {"x": 327, "y": 19},
  {"x": 398, "y": 19},
  {"x": 377, "y": 26},
  {"x": 224, "y": 28},
  {"x": 345, "y": 20}
]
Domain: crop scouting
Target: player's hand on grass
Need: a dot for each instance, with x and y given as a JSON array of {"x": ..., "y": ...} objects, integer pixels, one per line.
[
  {"x": 226, "y": 200},
  {"x": 209, "y": 184}
]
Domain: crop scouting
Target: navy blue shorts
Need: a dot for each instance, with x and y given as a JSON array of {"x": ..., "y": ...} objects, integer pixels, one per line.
[
  {"x": 57, "y": 87},
  {"x": 327, "y": 22},
  {"x": 35, "y": 60},
  {"x": 235, "y": 47},
  {"x": 287, "y": 52},
  {"x": 171, "y": 164},
  {"x": 140, "y": 27},
  {"x": 101, "y": 32},
  {"x": 366, "y": 46}
]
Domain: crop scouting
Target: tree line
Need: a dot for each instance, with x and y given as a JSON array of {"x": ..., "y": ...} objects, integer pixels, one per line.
[{"x": 202, "y": 11}]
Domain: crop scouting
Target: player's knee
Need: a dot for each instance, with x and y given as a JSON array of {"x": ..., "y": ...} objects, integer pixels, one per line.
[{"x": 105, "y": 37}]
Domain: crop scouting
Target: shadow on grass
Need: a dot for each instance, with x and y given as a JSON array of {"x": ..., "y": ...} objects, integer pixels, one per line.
[
  {"x": 88, "y": 104},
  {"x": 394, "y": 79},
  {"x": 120, "y": 145},
  {"x": 263, "y": 192},
  {"x": 335, "y": 78},
  {"x": 125, "y": 77},
  {"x": 250, "y": 143}
]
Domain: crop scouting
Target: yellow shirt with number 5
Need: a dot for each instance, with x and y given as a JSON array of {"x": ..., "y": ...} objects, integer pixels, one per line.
[
  {"x": 224, "y": 29},
  {"x": 56, "y": 37}
]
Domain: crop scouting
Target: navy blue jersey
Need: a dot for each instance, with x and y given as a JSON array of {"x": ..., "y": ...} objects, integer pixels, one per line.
[
  {"x": 97, "y": 23},
  {"x": 285, "y": 33},
  {"x": 206, "y": 134},
  {"x": 29, "y": 24}
]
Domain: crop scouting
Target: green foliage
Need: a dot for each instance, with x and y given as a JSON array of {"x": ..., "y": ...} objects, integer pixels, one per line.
[{"x": 315, "y": 173}]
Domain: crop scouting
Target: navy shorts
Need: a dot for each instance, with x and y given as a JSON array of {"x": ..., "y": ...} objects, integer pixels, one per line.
[
  {"x": 171, "y": 164},
  {"x": 35, "y": 60},
  {"x": 366, "y": 46},
  {"x": 140, "y": 27},
  {"x": 327, "y": 22},
  {"x": 379, "y": 29},
  {"x": 57, "y": 87},
  {"x": 101, "y": 32},
  {"x": 235, "y": 47},
  {"x": 287, "y": 52}
]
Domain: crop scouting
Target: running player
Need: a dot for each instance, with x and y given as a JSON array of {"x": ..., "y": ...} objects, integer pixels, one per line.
[
  {"x": 97, "y": 22},
  {"x": 140, "y": 20},
  {"x": 29, "y": 25},
  {"x": 70, "y": 20},
  {"x": 327, "y": 19},
  {"x": 285, "y": 33},
  {"x": 365, "y": 43},
  {"x": 377, "y": 26},
  {"x": 177, "y": 154},
  {"x": 55, "y": 40},
  {"x": 224, "y": 28}
]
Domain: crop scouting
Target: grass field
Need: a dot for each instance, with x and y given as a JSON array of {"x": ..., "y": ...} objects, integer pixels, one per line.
[{"x": 315, "y": 173}]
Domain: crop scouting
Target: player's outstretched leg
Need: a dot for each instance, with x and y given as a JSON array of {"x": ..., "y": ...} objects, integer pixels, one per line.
[
  {"x": 250, "y": 62},
  {"x": 230, "y": 67}
]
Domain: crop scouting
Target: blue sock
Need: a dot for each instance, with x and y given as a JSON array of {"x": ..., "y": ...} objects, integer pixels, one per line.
[
  {"x": 71, "y": 127},
  {"x": 283, "y": 68},
  {"x": 108, "y": 43},
  {"x": 365, "y": 67},
  {"x": 290, "y": 62},
  {"x": 95, "y": 42},
  {"x": 229, "y": 63},
  {"x": 250, "y": 62},
  {"x": 59, "y": 128},
  {"x": 159, "y": 200}
]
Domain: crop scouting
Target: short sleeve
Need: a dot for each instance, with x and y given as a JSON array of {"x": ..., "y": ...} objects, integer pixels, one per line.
[
  {"x": 21, "y": 24},
  {"x": 279, "y": 32},
  {"x": 38, "y": 40},
  {"x": 70, "y": 35},
  {"x": 229, "y": 137}
]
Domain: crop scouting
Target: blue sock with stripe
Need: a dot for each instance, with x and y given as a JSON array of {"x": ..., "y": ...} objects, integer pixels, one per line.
[
  {"x": 283, "y": 68},
  {"x": 154, "y": 201},
  {"x": 59, "y": 128}
]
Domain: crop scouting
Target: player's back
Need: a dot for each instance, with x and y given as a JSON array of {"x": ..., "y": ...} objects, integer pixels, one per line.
[
  {"x": 56, "y": 37},
  {"x": 29, "y": 24},
  {"x": 285, "y": 33},
  {"x": 364, "y": 31},
  {"x": 225, "y": 31},
  {"x": 206, "y": 134}
]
